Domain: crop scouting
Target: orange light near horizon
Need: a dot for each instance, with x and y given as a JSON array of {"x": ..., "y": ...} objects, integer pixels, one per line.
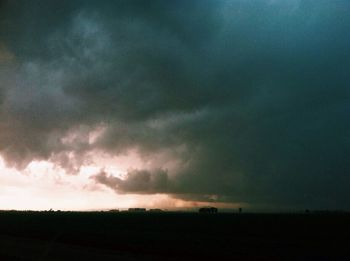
[{"x": 42, "y": 186}]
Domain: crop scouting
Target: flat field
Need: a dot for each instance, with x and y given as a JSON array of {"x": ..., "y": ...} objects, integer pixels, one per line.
[{"x": 173, "y": 236}]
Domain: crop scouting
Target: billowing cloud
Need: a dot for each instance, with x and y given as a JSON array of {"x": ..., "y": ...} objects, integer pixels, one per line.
[
  {"x": 235, "y": 101},
  {"x": 136, "y": 182}
]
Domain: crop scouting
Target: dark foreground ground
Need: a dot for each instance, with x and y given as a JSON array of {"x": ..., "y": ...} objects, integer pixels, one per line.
[{"x": 173, "y": 236}]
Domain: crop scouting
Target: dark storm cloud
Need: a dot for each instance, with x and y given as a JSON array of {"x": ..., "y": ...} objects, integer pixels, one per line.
[
  {"x": 142, "y": 182},
  {"x": 250, "y": 98}
]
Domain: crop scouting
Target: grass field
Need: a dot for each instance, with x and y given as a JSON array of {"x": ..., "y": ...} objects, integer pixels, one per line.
[{"x": 173, "y": 236}]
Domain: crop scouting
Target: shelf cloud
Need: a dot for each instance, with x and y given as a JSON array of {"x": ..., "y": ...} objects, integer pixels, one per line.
[{"x": 247, "y": 101}]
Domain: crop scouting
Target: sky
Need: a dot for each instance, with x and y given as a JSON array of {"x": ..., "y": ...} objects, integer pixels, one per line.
[{"x": 174, "y": 104}]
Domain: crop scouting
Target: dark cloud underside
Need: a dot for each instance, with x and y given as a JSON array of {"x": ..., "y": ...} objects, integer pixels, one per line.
[{"x": 249, "y": 98}]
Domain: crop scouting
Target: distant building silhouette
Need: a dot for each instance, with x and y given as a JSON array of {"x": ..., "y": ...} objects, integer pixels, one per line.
[
  {"x": 208, "y": 210},
  {"x": 136, "y": 209},
  {"x": 155, "y": 210}
]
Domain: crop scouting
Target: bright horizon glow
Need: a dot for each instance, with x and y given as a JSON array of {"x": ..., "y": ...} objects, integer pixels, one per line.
[{"x": 42, "y": 186}]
